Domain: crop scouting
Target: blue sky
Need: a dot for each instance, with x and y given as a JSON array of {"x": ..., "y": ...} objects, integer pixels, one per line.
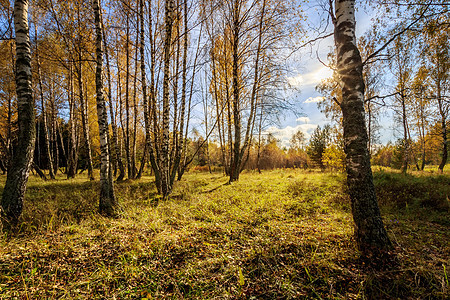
[{"x": 307, "y": 73}]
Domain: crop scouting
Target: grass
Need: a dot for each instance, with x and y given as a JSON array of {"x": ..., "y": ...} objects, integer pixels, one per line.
[{"x": 284, "y": 234}]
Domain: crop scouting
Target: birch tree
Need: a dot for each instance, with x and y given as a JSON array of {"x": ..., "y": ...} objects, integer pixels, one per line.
[
  {"x": 17, "y": 178},
  {"x": 369, "y": 229},
  {"x": 107, "y": 203}
]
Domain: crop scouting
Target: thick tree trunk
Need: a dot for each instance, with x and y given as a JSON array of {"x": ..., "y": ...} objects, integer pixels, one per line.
[
  {"x": 17, "y": 178},
  {"x": 107, "y": 203},
  {"x": 369, "y": 230}
]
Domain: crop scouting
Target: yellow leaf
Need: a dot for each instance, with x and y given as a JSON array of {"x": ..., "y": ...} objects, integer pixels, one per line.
[{"x": 241, "y": 277}]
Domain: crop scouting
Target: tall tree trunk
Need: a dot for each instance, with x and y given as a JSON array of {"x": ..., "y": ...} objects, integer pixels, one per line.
[
  {"x": 166, "y": 188},
  {"x": 54, "y": 132},
  {"x": 17, "y": 178},
  {"x": 153, "y": 117},
  {"x": 405, "y": 134},
  {"x": 72, "y": 149},
  {"x": 44, "y": 115},
  {"x": 185, "y": 129},
  {"x": 135, "y": 104},
  {"x": 115, "y": 156},
  {"x": 127, "y": 98},
  {"x": 443, "y": 128},
  {"x": 61, "y": 143},
  {"x": 180, "y": 133},
  {"x": 120, "y": 140},
  {"x": 370, "y": 233},
  {"x": 84, "y": 106},
  {"x": 107, "y": 203},
  {"x": 254, "y": 95},
  {"x": 148, "y": 140},
  {"x": 84, "y": 121},
  {"x": 236, "y": 159},
  {"x": 422, "y": 133}
]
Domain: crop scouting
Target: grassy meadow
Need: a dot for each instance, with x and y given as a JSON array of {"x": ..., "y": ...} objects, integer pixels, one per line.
[{"x": 282, "y": 234}]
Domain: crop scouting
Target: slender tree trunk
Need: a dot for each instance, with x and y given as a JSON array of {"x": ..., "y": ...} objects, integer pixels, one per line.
[
  {"x": 127, "y": 98},
  {"x": 148, "y": 140},
  {"x": 184, "y": 140},
  {"x": 9, "y": 152},
  {"x": 370, "y": 233},
  {"x": 180, "y": 134},
  {"x": 115, "y": 156},
  {"x": 54, "y": 133},
  {"x": 120, "y": 140},
  {"x": 254, "y": 95},
  {"x": 155, "y": 157},
  {"x": 174, "y": 143},
  {"x": 84, "y": 106},
  {"x": 258, "y": 157},
  {"x": 39, "y": 171},
  {"x": 107, "y": 203},
  {"x": 369, "y": 128},
  {"x": 135, "y": 104},
  {"x": 166, "y": 188},
  {"x": 443, "y": 128},
  {"x": 85, "y": 122},
  {"x": 236, "y": 159},
  {"x": 44, "y": 115},
  {"x": 61, "y": 143},
  {"x": 72, "y": 151},
  {"x": 405, "y": 135},
  {"x": 17, "y": 178}
]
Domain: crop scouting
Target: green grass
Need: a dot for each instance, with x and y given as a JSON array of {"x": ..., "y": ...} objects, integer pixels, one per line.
[{"x": 284, "y": 234}]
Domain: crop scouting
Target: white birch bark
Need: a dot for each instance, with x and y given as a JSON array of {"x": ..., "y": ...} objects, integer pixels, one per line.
[
  {"x": 369, "y": 230},
  {"x": 107, "y": 203},
  {"x": 17, "y": 178}
]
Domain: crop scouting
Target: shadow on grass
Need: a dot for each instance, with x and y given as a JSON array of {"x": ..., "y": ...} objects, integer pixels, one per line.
[{"x": 48, "y": 205}]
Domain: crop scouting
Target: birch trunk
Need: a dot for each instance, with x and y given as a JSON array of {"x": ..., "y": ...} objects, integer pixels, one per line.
[
  {"x": 369, "y": 228},
  {"x": 17, "y": 178},
  {"x": 107, "y": 203},
  {"x": 236, "y": 159},
  {"x": 180, "y": 135},
  {"x": 165, "y": 168},
  {"x": 148, "y": 140}
]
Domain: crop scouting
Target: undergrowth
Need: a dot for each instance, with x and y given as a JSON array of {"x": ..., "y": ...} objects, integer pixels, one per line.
[{"x": 284, "y": 234}]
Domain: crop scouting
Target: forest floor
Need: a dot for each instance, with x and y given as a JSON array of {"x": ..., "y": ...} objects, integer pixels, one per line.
[{"x": 283, "y": 234}]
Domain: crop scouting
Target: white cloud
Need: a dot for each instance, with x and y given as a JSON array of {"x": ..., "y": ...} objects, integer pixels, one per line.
[
  {"x": 296, "y": 81},
  {"x": 315, "y": 99},
  {"x": 285, "y": 134},
  {"x": 311, "y": 78},
  {"x": 303, "y": 120}
]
